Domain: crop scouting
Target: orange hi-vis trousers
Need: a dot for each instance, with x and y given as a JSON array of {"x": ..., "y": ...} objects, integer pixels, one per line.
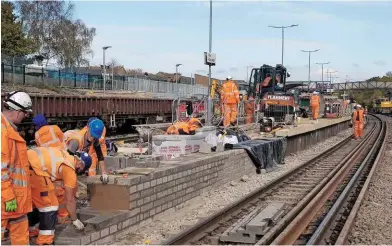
[
  {"x": 45, "y": 200},
  {"x": 18, "y": 230},
  {"x": 230, "y": 113},
  {"x": 358, "y": 129},
  {"x": 63, "y": 214},
  {"x": 315, "y": 112}
]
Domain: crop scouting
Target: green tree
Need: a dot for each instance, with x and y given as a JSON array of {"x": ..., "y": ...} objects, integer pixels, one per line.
[
  {"x": 13, "y": 41},
  {"x": 57, "y": 34}
]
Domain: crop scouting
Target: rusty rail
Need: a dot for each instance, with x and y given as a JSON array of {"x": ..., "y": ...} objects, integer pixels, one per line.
[
  {"x": 290, "y": 228},
  {"x": 198, "y": 230}
]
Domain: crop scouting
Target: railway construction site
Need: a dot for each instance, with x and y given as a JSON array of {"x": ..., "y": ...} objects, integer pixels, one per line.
[
  {"x": 310, "y": 184},
  {"x": 101, "y": 154}
]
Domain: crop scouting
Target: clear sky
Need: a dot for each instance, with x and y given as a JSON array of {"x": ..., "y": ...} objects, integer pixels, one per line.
[{"x": 355, "y": 37}]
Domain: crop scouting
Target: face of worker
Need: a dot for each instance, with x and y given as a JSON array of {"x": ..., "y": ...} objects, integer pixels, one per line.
[
  {"x": 19, "y": 116},
  {"x": 89, "y": 137},
  {"x": 79, "y": 166},
  {"x": 278, "y": 78}
]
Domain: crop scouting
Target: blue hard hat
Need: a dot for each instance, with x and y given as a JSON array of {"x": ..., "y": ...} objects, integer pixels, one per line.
[
  {"x": 39, "y": 121},
  {"x": 96, "y": 127},
  {"x": 86, "y": 159},
  {"x": 91, "y": 119}
]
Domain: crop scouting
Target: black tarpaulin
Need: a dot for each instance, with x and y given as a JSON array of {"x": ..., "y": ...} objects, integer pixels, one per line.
[{"x": 265, "y": 153}]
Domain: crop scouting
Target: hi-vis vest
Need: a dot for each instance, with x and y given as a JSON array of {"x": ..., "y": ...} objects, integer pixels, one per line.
[
  {"x": 47, "y": 161},
  {"x": 314, "y": 100},
  {"x": 79, "y": 136},
  {"x": 230, "y": 93},
  {"x": 14, "y": 171},
  {"x": 50, "y": 136},
  {"x": 358, "y": 115}
]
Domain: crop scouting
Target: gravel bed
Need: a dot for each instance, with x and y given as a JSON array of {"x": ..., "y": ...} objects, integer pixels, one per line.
[
  {"x": 373, "y": 222},
  {"x": 205, "y": 205}
]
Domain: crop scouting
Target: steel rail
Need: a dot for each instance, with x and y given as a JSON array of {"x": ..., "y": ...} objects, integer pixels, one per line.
[
  {"x": 196, "y": 231},
  {"x": 298, "y": 209},
  {"x": 299, "y": 223},
  {"x": 332, "y": 213},
  {"x": 354, "y": 211}
]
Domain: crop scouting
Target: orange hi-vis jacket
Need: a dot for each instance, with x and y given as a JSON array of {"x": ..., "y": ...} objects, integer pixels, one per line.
[
  {"x": 79, "y": 136},
  {"x": 230, "y": 93},
  {"x": 50, "y": 136},
  {"x": 358, "y": 116},
  {"x": 47, "y": 161},
  {"x": 176, "y": 127},
  {"x": 14, "y": 171},
  {"x": 314, "y": 100}
]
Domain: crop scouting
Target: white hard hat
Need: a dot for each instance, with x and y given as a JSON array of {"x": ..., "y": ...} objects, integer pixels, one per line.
[
  {"x": 229, "y": 77},
  {"x": 359, "y": 106},
  {"x": 315, "y": 92},
  {"x": 18, "y": 100}
]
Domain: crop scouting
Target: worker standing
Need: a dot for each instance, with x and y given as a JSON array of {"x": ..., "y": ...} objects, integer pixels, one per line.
[
  {"x": 47, "y": 166},
  {"x": 91, "y": 139},
  {"x": 358, "y": 121},
  {"x": 15, "y": 188},
  {"x": 230, "y": 97},
  {"x": 47, "y": 135},
  {"x": 315, "y": 105}
]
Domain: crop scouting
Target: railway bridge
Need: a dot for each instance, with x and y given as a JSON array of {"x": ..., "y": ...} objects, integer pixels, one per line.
[{"x": 343, "y": 86}]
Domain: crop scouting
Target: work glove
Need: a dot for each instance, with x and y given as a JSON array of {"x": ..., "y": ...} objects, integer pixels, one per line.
[
  {"x": 104, "y": 178},
  {"x": 11, "y": 206},
  {"x": 78, "y": 224}
]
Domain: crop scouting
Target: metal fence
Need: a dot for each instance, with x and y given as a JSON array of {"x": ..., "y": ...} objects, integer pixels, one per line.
[{"x": 30, "y": 75}]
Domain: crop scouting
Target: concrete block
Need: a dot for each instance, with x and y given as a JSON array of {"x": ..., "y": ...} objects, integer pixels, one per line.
[
  {"x": 125, "y": 223},
  {"x": 113, "y": 229},
  {"x": 134, "y": 196},
  {"x": 105, "y": 232},
  {"x": 107, "y": 219},
  {"x": 134, "y": 212},
  {"x": 113, "y": 163},
  {"x": 95, "y": 236}
]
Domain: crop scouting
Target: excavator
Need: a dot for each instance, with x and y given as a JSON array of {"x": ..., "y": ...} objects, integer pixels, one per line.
[{"x": 277, "y": 100}]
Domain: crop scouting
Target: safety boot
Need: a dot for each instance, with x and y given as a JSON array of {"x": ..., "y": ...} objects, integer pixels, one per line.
[{"x": 33, "y": 231}]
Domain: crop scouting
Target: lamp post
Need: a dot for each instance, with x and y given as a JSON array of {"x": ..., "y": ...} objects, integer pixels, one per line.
[
  {"x": 177, "y": 65},
  {"x": 283, "y": 27},
  {"x": 209, "y": 101},
  {"x": 309, "y": 51},
  {"x": 330, "y": 77},
  {"x": 104, "y": 67},
  {"x": 322, "y": 69}
]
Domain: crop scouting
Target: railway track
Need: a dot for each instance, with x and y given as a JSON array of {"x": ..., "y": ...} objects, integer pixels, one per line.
[{"x": 313, "y": 204}]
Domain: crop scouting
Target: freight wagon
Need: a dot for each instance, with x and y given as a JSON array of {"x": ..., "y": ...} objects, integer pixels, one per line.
[{"x": 119, "y": 114}]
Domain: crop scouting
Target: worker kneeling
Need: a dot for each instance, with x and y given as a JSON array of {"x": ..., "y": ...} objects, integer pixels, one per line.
[
  {"x": 184, "y": 128},
  {"x": 48, "y": 165}
]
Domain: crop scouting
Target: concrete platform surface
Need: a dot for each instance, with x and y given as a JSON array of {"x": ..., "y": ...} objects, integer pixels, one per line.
[{"x": 307, "y": 125}]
